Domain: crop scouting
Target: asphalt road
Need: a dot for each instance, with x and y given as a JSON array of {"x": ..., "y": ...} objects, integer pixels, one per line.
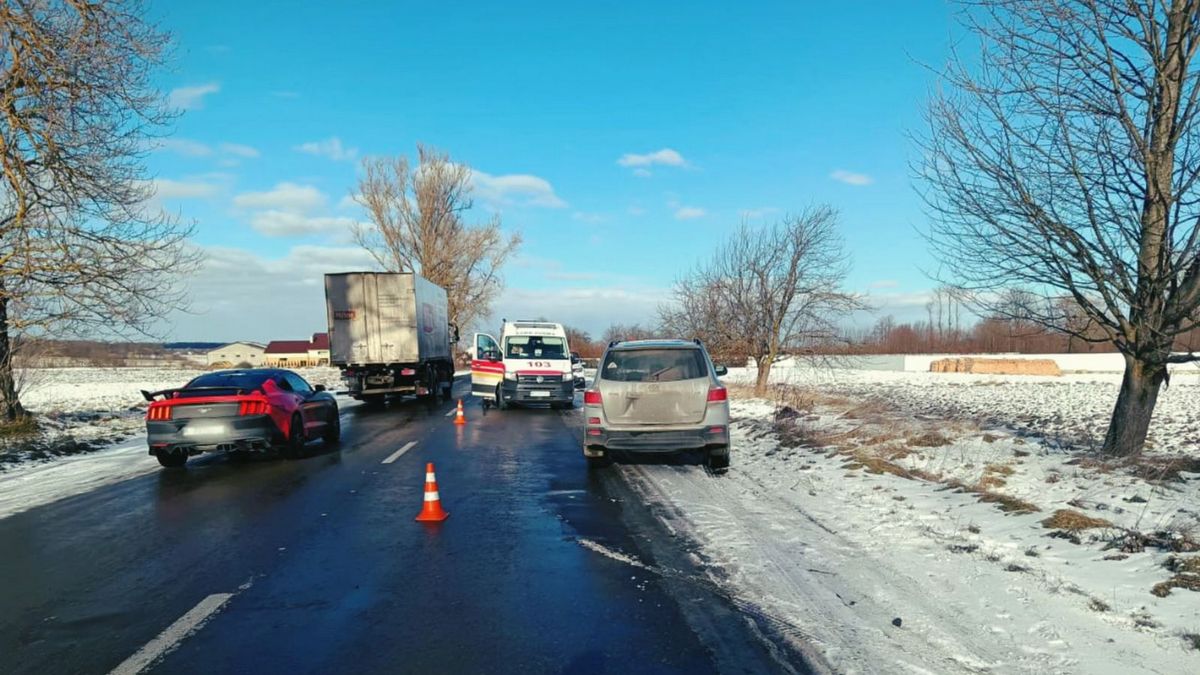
[{"x": 316, "y": 565}]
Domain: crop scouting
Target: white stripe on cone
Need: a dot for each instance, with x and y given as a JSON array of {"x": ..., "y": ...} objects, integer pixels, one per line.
[
  {"x": 431, "y": 496},
  {"x": 430, "y": 478}
]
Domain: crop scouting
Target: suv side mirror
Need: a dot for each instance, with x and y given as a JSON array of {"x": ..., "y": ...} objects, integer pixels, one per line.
[
  {"x": 721, "y": 371},
  {"x": 318, "y": 387}
]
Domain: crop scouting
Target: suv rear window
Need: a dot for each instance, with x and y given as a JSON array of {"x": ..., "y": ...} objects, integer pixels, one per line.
[{"x": 654, "y": 365}]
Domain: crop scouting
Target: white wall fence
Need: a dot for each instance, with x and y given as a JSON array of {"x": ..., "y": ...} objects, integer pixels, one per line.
[{"x": 919, "y": 363}]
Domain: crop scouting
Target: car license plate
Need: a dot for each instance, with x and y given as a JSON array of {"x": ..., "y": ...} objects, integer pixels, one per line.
[
  {"x": 204, "y": 429},
  {"x": 540, "y": 394}
]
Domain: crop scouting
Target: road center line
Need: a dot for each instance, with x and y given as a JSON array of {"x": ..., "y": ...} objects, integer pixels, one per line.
[
  {"x": 399, "y": 453},
  {"x": 173, "y": 635},
  {"x": 451, "y": 412}
]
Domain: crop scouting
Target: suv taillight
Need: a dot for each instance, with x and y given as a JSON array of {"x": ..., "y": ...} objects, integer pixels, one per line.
[
  {"x": 159, "y": 413},
  {"x": 252, "y": 408},
  {"x": 592, "y": 397},
  {"x": 718, "y": 394}
]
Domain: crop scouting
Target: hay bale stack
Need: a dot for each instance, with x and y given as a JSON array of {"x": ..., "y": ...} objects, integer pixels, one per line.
[{"x": 996, "y": 366}]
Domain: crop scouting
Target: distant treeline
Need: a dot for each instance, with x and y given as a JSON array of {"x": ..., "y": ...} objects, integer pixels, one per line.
[
  {"x": 988, "y": 336},
  {"x": 35, "y": 353}
]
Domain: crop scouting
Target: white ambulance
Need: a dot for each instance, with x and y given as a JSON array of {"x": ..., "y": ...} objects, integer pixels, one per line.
[{"x": 531, "y": 363}]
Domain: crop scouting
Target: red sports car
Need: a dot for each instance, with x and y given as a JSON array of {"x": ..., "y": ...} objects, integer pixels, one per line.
[{"x": 242, "y": 410}]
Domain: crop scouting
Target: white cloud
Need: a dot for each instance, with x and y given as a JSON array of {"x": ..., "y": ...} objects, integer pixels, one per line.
[
  {"x": 183, "y": 146},
  {"x": 188, "y": 98},
  {"x": 587, "y": 217},
  {"x": 642, "y": 173},
  {"x": 515, "y": 190},
  {"x": 592, "y": 307},
  {"x": 166, "y": 188},
  {"x": 238, "y": 150},
  {"x": 689, "y": 212},
  {"x": 276, "y": 223},
  {"x": 664, "y": 157},
  {"x": 330, "y": 148},
  {"x": 286, "y": 196},
  {"x": 751, "y": 214},
  {"x": 349, "y": 202},
  {"x": 851, "y": 178},
  {"x": 289, "y": 297}
]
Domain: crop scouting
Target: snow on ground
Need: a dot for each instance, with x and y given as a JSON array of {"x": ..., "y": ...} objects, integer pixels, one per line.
[{"x": 881, "y": 496}]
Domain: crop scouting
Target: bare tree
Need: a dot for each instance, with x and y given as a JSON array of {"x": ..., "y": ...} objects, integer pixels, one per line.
[
  {"x": 767, "y": 292},
  {"x": 418, "y": 224},
  {"x": 1063, "y": 159},
  {"x": 80, "y": 250},
  {"x": 620, "y": 331}
]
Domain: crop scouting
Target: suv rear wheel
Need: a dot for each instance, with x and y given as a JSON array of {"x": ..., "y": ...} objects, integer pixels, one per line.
[{"x": 716, "y": 461}]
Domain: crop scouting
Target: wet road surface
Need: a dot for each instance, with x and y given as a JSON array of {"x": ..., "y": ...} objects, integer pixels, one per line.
[{"x": 316, "y": 566}]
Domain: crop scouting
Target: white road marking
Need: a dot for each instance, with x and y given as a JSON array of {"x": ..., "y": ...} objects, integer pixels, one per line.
[
  {"x": 174, "y": 634},
  {"x": 452, "y": 411},
  {"x": 399, "y": 453}
]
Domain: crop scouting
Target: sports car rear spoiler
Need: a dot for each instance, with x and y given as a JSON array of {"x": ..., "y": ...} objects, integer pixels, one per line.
[{"x": 170, "y": 393}]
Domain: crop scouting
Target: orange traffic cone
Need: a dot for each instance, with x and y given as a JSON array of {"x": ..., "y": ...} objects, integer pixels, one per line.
[
  {"x": 432, "y": 511},
  {"x": 460, "y": 419}
]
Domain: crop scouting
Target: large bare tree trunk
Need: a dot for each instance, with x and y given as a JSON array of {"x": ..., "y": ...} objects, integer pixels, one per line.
[
  {"x": 1135, "y": 405},
  {"x": 10, "y": 406},
  {"x": 764, "y": 374}
]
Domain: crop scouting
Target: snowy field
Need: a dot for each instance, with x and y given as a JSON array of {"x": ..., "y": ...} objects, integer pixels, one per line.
[{"x": 896, "y": 522}]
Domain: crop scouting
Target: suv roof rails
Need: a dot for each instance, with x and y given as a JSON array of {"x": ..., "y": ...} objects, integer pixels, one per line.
[{"x": 614, "y": 343}]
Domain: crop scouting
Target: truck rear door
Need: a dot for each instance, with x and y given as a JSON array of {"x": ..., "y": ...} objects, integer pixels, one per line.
[{"x": 487, "y": 368}]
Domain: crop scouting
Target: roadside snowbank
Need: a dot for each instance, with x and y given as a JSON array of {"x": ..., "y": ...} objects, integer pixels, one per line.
[{"x": 880, "y": 496}]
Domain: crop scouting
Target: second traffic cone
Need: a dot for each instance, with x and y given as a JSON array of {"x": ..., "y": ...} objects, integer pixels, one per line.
[
  {"x": 432, "y": 511},
  {"x": 459, "y": 418}
]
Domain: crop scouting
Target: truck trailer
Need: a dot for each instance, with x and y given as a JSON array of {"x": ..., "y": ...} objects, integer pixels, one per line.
[{"x": 389, "y": 334}]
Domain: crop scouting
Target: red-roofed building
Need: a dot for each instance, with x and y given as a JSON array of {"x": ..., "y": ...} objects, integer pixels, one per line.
[
  {"x": 298, "y": 353},
  {"x": 318, "y": 349}
]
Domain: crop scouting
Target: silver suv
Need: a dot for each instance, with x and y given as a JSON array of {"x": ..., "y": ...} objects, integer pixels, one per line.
[{"x": 656, "y": 396}]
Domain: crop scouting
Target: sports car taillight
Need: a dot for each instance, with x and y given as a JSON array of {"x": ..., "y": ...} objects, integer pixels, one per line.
[
  {"x": 252, "y": 408},
  {"x": 592, "y": 397},
  {"x": 158, "y": 413},
  {"x": 718, "y": 394}
]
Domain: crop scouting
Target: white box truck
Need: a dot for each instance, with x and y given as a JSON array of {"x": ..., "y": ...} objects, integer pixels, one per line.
[{"x": 389, "y": 334}]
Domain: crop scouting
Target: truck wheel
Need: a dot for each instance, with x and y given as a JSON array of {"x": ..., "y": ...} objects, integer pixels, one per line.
[
  {"x": 373, "y": 400},
  {"x": 434, "y": 385},
  {"x": 171, "y": 460},
  {"x": 500, "y": 402},
  {"x": 595, "y": 463}
]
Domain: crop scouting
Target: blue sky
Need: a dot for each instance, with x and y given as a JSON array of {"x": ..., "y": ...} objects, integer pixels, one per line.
[{"x": 623, "y": 143}]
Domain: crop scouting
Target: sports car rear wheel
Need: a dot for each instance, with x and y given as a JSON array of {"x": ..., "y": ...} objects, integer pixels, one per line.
[
  {"x": 333, "y": 430},
  {"x": 171, "y": 460},
  {"x": 294, "y": 446}
]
